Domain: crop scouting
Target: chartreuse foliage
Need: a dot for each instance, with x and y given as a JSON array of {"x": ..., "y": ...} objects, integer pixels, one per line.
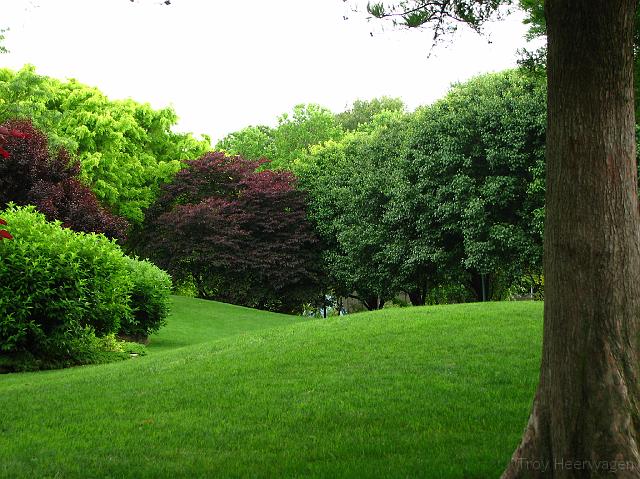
[
  {"x": 397, "y": 393},
  {"x": 60, "y": 290},
  {"x": 126, "y": 149},
  {"x": 57, "y": 287},
  {"x": 252, "y": 143},
  {"x": 289, "y": 142},
  {"x": 362, "y": 112},
  {"x": 299, "y": 130}
]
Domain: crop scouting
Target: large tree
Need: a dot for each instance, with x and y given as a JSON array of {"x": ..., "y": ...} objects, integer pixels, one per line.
[
  {"x": 350, "y": 184},
  {"x": 239, "y": 235},
  {"x": 475, "y": 164},
  {"x": 32, "y": 173},
  {"x": 585, "y": 420},
  {"x": 125, "y": 149}
]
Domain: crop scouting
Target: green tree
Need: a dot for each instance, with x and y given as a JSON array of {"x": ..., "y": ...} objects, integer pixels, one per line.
[
  {"x": 363, "y": 111},
  {"x": 126, "y": 149},
  {"x": 586, "y": 408},
  {"x": 252, "y": 143},
  {"x": 290, "y": 141},
  {"x": 478, "y": 155},
  {"x": 350, "y": 184}
]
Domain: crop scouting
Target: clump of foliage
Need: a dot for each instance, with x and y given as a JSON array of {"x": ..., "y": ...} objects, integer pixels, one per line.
[
  {"x": 125, "y": 149},
  {"x": 452, "y": 194},
  {"x": 289, "y": 142},
  {"x": 362, "y": 112},
  {"x": 58, "y": 289},
  {"x": 63, "y": 294},
  {"x": 238, "y": 234},
  {"x": 149, "y": 294},
  {"x": 351, "y": 184},
  {"x": 476, "y": 166},
  {"x": 252, "y": 143},
  {"x": 31, "y": 174}
]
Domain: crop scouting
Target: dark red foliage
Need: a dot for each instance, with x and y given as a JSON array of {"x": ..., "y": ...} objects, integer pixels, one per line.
[
  {"x": 4, "y": 234},
  {"x": 5, "y": 133},
  {"x": 241, "y": 235},
  {"x": 31, "y": 174}
]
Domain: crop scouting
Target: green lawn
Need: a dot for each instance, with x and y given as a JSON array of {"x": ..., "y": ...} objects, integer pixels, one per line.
[
  {"x": 195, "y": 321},
  {"x": 230, "y": 392}
]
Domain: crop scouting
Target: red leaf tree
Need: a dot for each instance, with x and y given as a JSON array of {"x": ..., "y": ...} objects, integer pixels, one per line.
[
  {"x": 31, "y": 174},
  {"x": 240, "y": 235}
]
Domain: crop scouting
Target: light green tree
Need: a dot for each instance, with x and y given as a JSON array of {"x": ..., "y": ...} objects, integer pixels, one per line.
[
  {"x": 297, "y": 131},
  {"x": 126, "y": 149},
  {"x": 252, "y": 143},
  {"x": 363, "y": 111}
]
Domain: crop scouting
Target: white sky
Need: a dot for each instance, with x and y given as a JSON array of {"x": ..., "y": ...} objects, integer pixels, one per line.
[{"x": 224, "y": 65}]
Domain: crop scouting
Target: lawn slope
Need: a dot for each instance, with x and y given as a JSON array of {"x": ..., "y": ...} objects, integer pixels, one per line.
[
  {"x": 416, "y": 392},
  {"x": 193, "y": 321}
]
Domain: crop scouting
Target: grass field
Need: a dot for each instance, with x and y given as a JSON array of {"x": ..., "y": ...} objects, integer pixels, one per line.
[{"x": 231, "y": 392}]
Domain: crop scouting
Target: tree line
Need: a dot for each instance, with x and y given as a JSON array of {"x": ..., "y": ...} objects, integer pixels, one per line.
[{"x": 443, "y": 204}]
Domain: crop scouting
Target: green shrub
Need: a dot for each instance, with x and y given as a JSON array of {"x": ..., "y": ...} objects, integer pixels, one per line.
[
  {"x": 185, "y": 287},
  {"x": 150, "y": 292},
  {"x": 448, "y": 294},
  {"x": 58, "y": 289}
]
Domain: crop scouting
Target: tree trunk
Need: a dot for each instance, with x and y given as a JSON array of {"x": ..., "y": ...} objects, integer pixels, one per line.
[
  {"x": 481, "y": 286},
  {"x": 372, "y": 303},
  {"x": 585, "y": 417},
  {"x": 417, "y": 297}
]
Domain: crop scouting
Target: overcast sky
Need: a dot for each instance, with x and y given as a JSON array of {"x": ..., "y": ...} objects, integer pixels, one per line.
[{"x": 224, "y": 65}]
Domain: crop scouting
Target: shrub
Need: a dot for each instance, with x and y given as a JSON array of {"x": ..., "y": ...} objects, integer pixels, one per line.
[
  {"x": 58, "y": 289},
  {"x": 150, "y": 292}
]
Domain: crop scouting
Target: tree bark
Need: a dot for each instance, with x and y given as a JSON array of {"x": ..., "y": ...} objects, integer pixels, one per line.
[{"x": 585, "y": 417}]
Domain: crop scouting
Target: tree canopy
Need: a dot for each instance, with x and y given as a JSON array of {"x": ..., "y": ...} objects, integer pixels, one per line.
[
  {"x": 411, "y": 202},
  {"x": 125, "y": 149},
  {"x": 32, "y": 173},
  {"x": 287, "y": 143},
  {"x": 239, "y": 235},
  {"x": 363, "y": 111}
]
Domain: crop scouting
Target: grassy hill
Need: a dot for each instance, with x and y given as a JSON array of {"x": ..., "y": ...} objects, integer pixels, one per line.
[
  {"x": 231, "y": 392},
  {"x": 196, "y": 321}
]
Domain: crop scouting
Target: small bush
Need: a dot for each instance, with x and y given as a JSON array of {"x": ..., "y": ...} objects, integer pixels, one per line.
[
  {"x": 58, "y": 289},
  {"x": 150, "y": 292}
]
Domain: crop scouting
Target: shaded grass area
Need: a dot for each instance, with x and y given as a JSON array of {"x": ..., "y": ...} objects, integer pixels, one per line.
[{"x": 417, "y": 392}]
